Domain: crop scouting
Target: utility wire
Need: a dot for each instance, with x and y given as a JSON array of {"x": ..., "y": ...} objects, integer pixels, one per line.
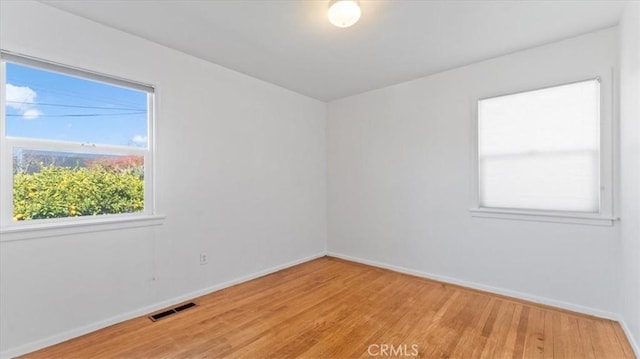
[
  {"x": 86, "y": 115},
  {"x": 76, "y": 106},
  {"x": 49, "y": 88}
]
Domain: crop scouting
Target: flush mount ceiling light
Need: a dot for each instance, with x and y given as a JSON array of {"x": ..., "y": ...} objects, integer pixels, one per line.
[{"x": 344, "y": 13}]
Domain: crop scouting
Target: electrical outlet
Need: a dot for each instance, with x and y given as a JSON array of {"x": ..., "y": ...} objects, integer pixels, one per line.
[{"x": 203, "y": 258}]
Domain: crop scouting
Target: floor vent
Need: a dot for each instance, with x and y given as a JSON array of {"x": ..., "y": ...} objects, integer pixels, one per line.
[
  {"x": 185, "y": 306},
  {"x": 171, "y": 311}
]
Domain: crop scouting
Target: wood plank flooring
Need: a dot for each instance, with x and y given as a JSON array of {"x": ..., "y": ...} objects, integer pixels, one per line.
[{"x": 330, "y": 308}]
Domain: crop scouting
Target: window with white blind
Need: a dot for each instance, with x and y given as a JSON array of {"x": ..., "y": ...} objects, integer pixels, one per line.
[{"x": 539, "y": 152}]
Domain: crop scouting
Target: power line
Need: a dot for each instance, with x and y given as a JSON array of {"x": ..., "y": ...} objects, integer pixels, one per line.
[
  {"x": 85, "y": 115},
  {"x": 48, "y": 87},
  {"x": 76, "y": 106}
]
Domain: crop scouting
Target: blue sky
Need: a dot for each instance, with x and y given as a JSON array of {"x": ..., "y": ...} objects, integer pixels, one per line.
[{"x": 47, "y": 105}]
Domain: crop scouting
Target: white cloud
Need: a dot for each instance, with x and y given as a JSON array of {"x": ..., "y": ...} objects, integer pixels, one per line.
[
  {"x": 21, "y": 98},
  {"x": 17, "y": 95},
  {"x": 140, "y": 140},
  {"x": 31, "y": 114}
]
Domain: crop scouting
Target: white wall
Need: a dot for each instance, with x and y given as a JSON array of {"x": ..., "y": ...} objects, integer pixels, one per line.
[
  {"x": 241, "y": 174},
  {"x": 630, "y": 171},
  {"x": 399, "y": 184},
  {"x": 399, "y": 181}
]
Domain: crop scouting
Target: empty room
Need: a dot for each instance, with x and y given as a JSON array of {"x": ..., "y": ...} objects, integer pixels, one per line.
[{"x": 319, "y": 179}]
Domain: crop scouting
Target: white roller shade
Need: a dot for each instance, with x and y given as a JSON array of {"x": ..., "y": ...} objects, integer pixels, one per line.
[{"x": 540, "y": 149}]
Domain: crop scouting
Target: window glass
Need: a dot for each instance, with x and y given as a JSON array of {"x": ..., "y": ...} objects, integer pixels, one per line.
[
  {"x": 47, "y": 105},
  {"x": 75, "y": 147}
]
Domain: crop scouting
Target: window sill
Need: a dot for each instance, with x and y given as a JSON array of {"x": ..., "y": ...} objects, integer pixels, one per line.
[
  {"x": 568, "y": 218},
  {"x": 41, "y": 230}
]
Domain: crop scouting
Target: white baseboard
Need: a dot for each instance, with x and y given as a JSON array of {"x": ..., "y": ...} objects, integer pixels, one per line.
[
  {"x": 501, "y": 291},
  {"x": 58, "y": 338},
  {"x": 630, "y": 337}
]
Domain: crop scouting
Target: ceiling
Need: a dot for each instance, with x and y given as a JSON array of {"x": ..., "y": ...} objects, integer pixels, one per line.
[{"x": 292, "y": 44}]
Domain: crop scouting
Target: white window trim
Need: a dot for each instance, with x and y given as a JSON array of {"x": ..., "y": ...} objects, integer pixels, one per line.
[
  {"x": 69, "y": 226},
  {"x": 608, "y": 129},
  {"x": 11, "y": 230},
  {"x": 542, "y": 216}
]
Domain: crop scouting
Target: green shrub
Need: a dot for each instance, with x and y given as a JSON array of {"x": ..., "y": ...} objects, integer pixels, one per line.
[{"x": 56, "y": 192}]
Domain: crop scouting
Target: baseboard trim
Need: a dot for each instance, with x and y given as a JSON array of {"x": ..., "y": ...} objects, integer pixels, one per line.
[
  {"x": 630, "y": 337},
  {"x": 59, "y": 338},
  {"x": 486, "y": 288}
]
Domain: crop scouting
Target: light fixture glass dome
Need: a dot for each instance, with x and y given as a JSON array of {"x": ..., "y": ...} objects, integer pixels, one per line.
[{"x": 344, "y": 13}]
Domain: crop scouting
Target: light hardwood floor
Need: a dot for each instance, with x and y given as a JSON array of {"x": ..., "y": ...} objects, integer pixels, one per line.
[{"x": 330, "y": 308}]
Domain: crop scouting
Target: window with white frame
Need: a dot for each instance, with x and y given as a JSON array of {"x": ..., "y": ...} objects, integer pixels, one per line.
[
  {"x": 75, "y": 144},
  {"x": 540, "y": 151}
]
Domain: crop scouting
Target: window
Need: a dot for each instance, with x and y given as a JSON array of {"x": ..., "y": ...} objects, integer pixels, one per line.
[
  {"x": 75, "y": 145},
  {"x": 539, "y": 152}
]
